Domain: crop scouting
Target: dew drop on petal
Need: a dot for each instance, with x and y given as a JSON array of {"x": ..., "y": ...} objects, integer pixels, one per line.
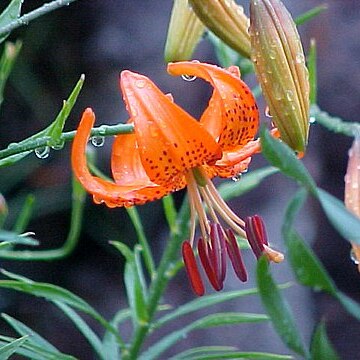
[
  {"x": 140, "y": 84},
  {"x": 353, "y": 257},
  {"x": 98, "y": 141},
  {"x": 188, "y": 77},
  {"x": 236, "y": 177},
  {"x": 43, "y": 152}
]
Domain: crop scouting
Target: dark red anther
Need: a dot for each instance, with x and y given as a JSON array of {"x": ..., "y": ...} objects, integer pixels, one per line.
[
  {"x": 256, "y": 234},
  {"x": 206, "y": 261},
  {"x": 192, "y": 269},
  {"x": 218, "y": 251},
  {"x": 235, "y": 256}
]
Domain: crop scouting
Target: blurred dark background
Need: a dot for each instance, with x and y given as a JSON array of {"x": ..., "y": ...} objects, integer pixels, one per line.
[{"x": 99, "y": 39}]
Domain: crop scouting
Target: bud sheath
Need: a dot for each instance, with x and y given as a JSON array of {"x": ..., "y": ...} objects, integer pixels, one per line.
[{"x": 279, "y": 63}]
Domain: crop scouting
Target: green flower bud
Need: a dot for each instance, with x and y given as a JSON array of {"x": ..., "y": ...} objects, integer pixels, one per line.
[
  {"x": 280, "y": 67},
  {"x": 185, "y": 31},
  {"x": 226, "y": 20}
]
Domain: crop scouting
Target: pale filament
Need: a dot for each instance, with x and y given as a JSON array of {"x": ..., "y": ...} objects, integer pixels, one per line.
[
  {"x": 194, "y": 196},
  {"x": 224, "y": 215},
  {"x": 222, "y": 204}
]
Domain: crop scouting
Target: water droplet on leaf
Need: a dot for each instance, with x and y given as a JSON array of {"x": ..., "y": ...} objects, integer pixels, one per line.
[
  {"x": 59, "y": 145},
  {"x": 43, "y": 152}
]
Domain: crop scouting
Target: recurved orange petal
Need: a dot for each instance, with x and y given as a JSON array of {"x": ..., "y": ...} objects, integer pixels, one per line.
[
  {"x": 169, "y": 140},
  {"x": 105, "y": 191},
  {"x": 232, "y": 116}
]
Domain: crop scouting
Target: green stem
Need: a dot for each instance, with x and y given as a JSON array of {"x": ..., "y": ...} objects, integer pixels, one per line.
[
  {"x": 30, "y": 145},
  {"x": 163, "y": 275},
  {"x": 72, "y": 238},
  {"x": 146, "y": 251},
  {"x": 25, "y": 19},
  {"x": 333, "y": 123}
]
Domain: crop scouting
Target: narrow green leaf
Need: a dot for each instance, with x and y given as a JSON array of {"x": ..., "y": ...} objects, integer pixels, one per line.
[
  {"x": 308, "y": 15},
  {"x": 237, "y": 355},
  {"x": 312, "y": 67},
  {"x": 229, "y": 318},
  {"x": 143, "y": 241},
  {"x": 218, "y": 319},
  {"x": 14, "y": 238},
  {"x": 203, "y": 302},
  {"x": 34, "y": 352},
  {"x": 346, "y": 223},
  {"x": 307, "y": 268},
  {"x": 56, "y": 128},
  {"x": 53, "y": 293},
  {"x": 11, "y": 13},
  {"x": 278, "y": 308},
  {"x": 7, "y": 61},
  {"x": 135, "y": 295},
  {"x": 24, "y": 331},
  {"x": 247, "y": 183},
  {"x": 225, "y": 54},
  {"x": 23, "y": 219},
  {"x": 351, "y": 306},
  {"x": 83, "y": 327},
  {"x": 51, "y": 134},
  {"x": 321, "y": 347},
  {"x": 201, "y": 350},
  {"x": 281, "y": 156},
  {"x": 170, "y": 211},
  {"x": 9, "y": 349},
  {"x": 139, "y": 269},
  {"x": 293, "y": 208}
]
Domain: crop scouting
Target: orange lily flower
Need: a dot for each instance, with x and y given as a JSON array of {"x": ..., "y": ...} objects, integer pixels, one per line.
[{"x": 169, "y": 150}]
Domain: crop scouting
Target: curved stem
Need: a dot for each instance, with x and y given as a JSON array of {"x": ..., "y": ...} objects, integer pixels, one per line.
[
  {"x": 78, "y": 201},
  {"x": 25, "y": 19}
]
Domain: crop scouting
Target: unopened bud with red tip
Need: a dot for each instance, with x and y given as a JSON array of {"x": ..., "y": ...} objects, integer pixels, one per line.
[
  {"x": 352, "y": 191},
  {"x": 257, "y": 238},
  {"x": 184, "y": 32},
  {"x": 280, "y": 67},
  {"x": 227, "y": 20}
]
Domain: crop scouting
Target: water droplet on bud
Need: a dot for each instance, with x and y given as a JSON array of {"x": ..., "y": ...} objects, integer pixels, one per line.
[{"x": 312, "y": 120}]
